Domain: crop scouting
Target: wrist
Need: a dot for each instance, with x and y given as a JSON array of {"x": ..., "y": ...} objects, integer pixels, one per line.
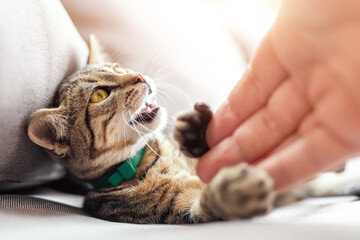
[{"x": 320, "y": 13}]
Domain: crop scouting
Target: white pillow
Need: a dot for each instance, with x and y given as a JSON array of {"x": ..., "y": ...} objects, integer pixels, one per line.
[{"x": 39, "y": 46}]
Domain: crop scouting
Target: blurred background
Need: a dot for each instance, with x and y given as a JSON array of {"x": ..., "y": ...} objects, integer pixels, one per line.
[
  {"x": 248, "y": 20},
  {"x": 195, "y": 50}
]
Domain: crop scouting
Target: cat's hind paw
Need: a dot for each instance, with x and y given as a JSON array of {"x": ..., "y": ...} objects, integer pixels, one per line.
[{"x": 190, "y": 128}]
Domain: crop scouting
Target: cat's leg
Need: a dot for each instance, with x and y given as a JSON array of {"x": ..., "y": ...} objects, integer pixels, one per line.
[
  {"x": 235, "y": 192},
  {"x": 190, "y": 129},
  {"x": 344, "y": 183},
  {"x": 313, "y": 189},
  {"x": 161, "y": 200},
  {"x": 158, "y": 204}
]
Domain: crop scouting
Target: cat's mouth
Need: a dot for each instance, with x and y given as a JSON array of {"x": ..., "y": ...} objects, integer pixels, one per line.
[{"x": 145, "y": 115}]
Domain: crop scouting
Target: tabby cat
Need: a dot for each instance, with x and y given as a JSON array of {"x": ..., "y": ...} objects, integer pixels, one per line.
[{"x": 106, "y": 130}]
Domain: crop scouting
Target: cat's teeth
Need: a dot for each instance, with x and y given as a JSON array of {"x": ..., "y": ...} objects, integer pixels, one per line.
[{"x": 148, "y": 110}]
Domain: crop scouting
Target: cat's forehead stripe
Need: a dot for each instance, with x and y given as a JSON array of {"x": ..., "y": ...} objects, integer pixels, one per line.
[{"x": 98, "y": 78}]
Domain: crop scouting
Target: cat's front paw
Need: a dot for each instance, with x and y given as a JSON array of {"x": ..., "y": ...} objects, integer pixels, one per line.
[
  {"x": 190, "y": 128},
  {"x": 240, "y": 192}
]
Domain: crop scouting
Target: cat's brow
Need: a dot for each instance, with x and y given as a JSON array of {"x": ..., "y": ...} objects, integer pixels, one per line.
[
  {"x": 89, "y": 80},
  {"x": 104, "y": 79},
  {"x": 109, "y": 77}
]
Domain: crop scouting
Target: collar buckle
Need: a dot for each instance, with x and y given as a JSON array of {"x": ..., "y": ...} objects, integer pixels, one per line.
[{"x": 123, "y": 172}]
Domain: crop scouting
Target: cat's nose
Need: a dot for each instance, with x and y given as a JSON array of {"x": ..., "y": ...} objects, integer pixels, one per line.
[{"x": 139, "y": 79}]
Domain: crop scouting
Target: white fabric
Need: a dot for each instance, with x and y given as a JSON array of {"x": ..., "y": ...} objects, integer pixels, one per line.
[
  {"x": 323, "y": 218},
  {"x": 39, "y": 46}
]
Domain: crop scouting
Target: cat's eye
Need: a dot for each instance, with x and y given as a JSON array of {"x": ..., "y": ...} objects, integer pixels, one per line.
[
  {"x": 119, "y": 70},
  {"x": 99, "y": 95}
]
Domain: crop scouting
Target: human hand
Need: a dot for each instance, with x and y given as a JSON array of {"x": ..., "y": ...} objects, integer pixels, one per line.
[{"x": 296, "y": 111}]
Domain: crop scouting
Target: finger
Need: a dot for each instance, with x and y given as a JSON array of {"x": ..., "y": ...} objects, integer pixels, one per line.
[
  {"x": 250, "y": 94},
  {"x": 289, "y": 140},
  {"x": 220, "y": 156},
  {"x": 261, "y": 133},
  {"x": 310, "y": 154},
  {"x": 271, "y": 125},
  {"x": 306, "y": 125}
]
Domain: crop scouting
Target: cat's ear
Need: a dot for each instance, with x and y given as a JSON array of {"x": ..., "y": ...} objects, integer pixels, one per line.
[
  {"x": 96, "y": 54},
  {"x": 47, "y": 128}
]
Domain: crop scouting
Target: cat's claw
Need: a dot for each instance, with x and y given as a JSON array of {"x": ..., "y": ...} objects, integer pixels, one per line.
[{"x": 190, "y": 129}]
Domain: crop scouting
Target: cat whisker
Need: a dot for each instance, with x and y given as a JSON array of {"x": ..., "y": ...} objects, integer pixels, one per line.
[
  {"x": 139, "y": 123},
  {"x": 155, "y": 57},
  {"x": 133, "y": 127},
  {"x": 145, "y": 140},
  {"x": 125, "y": 137},
  {"x": 122, "y": 104},
  {"x": 148, "y": 116},
  {"x": 156, "y": 74},
  {"x": 138, "y": 132},
  {"x": 174, "y": 89},
  {"x": 164, "y": 93},
  {"x": 162, "y": 96},
  {"x": 159, "y": 98},
  {"x": 116, "y": 55},
  {"x": 142, "y": 137}
]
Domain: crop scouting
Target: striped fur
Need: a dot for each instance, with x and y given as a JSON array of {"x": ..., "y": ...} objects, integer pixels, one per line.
[{"x": 90, "y": 138}]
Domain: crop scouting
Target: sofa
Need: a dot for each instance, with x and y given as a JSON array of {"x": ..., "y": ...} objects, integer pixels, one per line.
[{"x": 191, "y": 53}]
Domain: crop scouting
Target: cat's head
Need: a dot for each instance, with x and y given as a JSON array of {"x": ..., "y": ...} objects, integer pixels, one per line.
[{"x": 104, "y": 114}]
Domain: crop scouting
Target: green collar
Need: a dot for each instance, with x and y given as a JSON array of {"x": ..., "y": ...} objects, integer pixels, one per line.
[{"x": 122, "y": 171}]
